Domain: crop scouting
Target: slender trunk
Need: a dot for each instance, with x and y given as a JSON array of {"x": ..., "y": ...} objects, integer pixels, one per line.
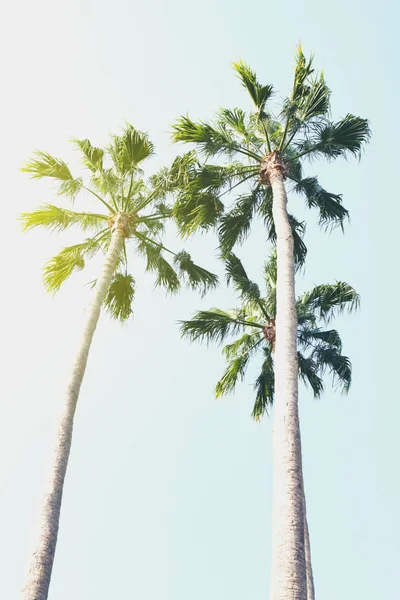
[
  {"x": 288, "y": 572},
  {"x": 307, "y": 550},
  {"x": 38, "y": 581}
]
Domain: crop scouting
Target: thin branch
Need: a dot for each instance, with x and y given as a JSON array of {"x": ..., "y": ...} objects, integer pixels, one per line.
[
  {"x": 284, "y": 135},
  {"x": 154, "y": 217},
  {"x": 266, "y": 136},
  {"x": 289, "y": 141},
  {"x": 304, "y": 153},
  {"x": 126, "y": 259},
  {"x": 252, "y": 173},
  {"x": 144, "y": 238},
  {"x": 129, "y": 192},
  {"x": 249, "y": 153},
  {"x": 101, "y": 199}
]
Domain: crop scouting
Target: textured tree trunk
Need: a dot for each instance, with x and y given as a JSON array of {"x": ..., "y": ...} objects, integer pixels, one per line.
[
  {"x": 288, "y": 571},
  {"x": 38, "y": 580},
  {"x": 307, "y": 550}
]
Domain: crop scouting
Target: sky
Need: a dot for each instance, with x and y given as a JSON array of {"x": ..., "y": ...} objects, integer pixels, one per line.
[{"x": 168, "y": 491}]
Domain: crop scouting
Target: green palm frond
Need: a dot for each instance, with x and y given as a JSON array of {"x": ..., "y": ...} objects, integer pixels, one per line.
[
  {"x": 264, "y": 386},
  {"x": 235, "y": 226},
  {"x": 308, "y": 371},
  {"x": 151, "y": 227},
  {"x": 106, "y": 182},
  {"x": 342, "y": 138},
  {"x": 234, "y": 118},
  {"x": 247, "y": 343},
  {"x": 235, "y": 371},
  {"x": 270, "y": 277},
  {"x": 316, "y": 103},
  {"x": 45, "y": 165},
  {"x": 196, "y": 211},
  {"x": 130, "y": 149},
  {"x": 329, "y": 300},
  {"x": 339, "y": 366},
  {"x": 308, "y": 337},
  {"x": 177, "y": 176},
  {"x": 303, "y": 71},
  {"x": 246, "y": 128},
  {"x": 306, "y": 111},
  {"x": 118, "y": 301},
  {"x": 235, "y": 273},
  {"x": 331, "y": 211},
  {"x": 196, "y": 276},
  {"x": 156, "y": 263},
  {"x": 92, "y": 157},
  {"x": 214, "y": 325},
  {"x": 72, "y": 258},
  {"x": 210, "y": 140},
  {"x": 58, "y": 219},
  {"x": 260, "y": 94},
  {"x": 214, "y": 178}
]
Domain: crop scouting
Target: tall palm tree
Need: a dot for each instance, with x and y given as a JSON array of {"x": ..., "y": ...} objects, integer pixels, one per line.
[
  {"x": 320, "y": 350},
  {"x": 265, "y": 151},
  {"x": 131, "y": 214}
]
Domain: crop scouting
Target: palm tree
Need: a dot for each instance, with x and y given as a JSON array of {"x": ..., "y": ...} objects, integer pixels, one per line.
[
  {"x": 264, "y": 151},
  {"x": 131, "y": 213},
  {"x": 320, "y": 350}
]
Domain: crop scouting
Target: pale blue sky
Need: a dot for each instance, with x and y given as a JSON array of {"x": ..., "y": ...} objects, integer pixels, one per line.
[{"x": 168, "y": 493}]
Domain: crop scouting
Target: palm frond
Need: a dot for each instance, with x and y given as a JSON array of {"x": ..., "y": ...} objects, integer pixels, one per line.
[
  {"x": 259, "y": 94},
  {"x": 196, "y": 211},
  {"x": 213, "y": 325},
  {"x": 106, "y": 182},
  {"x": 270, "y": 277},
  {"x": 211, "y": 141},
  {"x": 45, "y": 165},
  {"x": 308, "y": 337},
  {"x": 130, "y": 149},
  {"x": 70, "y": 259},
  {"x": 156, "y": 263},
  {"x": 176, "y": 177},
  {"x": 119, "y": 298},
  {"x": 328, "y": 300},
  {"x": 303, "y": 70},
  {"x": 247, "y": 343},
  {"x": 342, "y": 138},
  {"x": 58, "y": 219},
  {"x": 331, "y": 211},
  {"x": 308, "y": 109},
  {"x": 339, "y": 366},
  {"x": 316, "y": 102},
  {"x": 235, "y": 273},
  {"x": 308, "y": 371},
  {"x": 264, "y": 386},
  {"x": 235, "y": 226},
  {"x": 92, "y": 157},
  {"x": 197, "y": 277},
  {"x": 234, "y": 118},
  {"x": 235, "y": 371}
]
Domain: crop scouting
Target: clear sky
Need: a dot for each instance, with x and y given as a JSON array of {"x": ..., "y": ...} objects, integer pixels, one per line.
[{"x": 168, "y": 492}]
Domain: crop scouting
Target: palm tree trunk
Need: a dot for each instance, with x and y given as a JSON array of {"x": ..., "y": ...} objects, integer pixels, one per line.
[
  {"x": 288, "y": 572},
  {"x": 38, "y": 581},
  {"x": 307, "y": 550}
]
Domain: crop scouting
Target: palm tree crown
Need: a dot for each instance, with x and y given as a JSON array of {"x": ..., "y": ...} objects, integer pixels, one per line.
[
  {"x": 115, "y": 182},
  {"x": 254, "y": 146},
  {"x": 320, "y": 350}
]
